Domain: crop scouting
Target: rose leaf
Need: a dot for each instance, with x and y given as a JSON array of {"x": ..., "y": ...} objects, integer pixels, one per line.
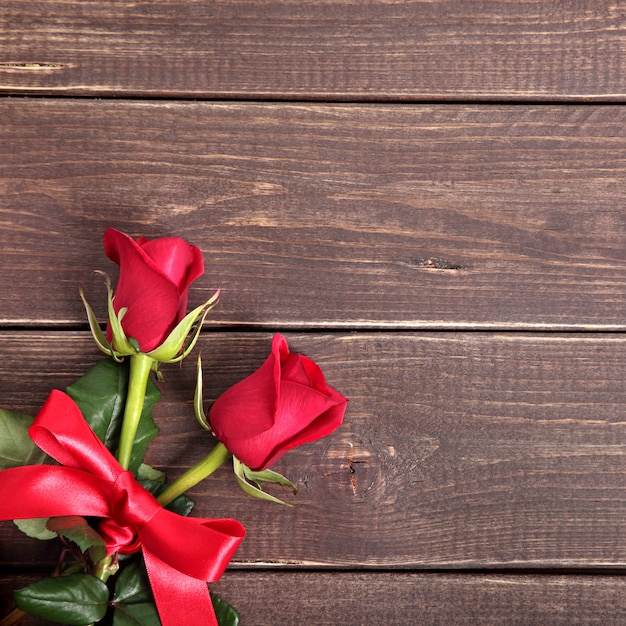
[
  {"x": 101, "y": 396},
  {"x": 16, "y": 447},
  {"x": 75, "y": 600},
  {"x": 76, "y": 529}
]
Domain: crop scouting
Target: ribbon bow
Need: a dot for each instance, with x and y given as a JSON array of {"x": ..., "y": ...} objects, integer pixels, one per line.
[{"x": 181, "y": 553}]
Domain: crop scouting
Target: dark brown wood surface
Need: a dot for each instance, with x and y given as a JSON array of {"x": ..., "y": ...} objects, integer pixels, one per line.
[
  {"x": 326, "y": 599},
  {"x": 462, "y": 450},
  {"x": 326, "y": 216},
  {"x": 328, "y": 49},
  {"x": 427, "y": 198}
]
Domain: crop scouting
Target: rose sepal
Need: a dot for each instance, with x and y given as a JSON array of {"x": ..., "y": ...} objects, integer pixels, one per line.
[
  {"x": 245, "y": 477},
  {"x": 181, "y": 341},
  {"x": 198, "y": 402},
  {"x": 123, "y": 345},
  {"x": 94, "y": 326}
]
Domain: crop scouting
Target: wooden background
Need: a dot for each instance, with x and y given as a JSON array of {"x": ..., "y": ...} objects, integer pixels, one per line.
[{"x": 426, "y": 197}]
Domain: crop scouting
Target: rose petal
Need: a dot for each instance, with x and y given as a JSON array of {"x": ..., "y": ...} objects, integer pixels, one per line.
[
  {"x": 292, "y": 369},
  {"x": 181, "y": 262},
  {"x": 151, "y": 298},
  {"x": 249, "y": 406},
  {"x": 284, "y": 404},
  {"x": 325, "y": 423},
  {"x": 304, "y": 415}
]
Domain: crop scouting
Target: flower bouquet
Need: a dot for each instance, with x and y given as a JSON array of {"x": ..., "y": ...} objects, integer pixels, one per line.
[{"x": 131, "y": 554}]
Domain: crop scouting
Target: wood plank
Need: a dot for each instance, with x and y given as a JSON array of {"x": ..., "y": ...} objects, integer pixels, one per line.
[
  {"x": 326, "y": 599},
  {"x": 458, "y": 450},
  {"x": 327, "y": 49},
  {"x": 325, "y": 216}
]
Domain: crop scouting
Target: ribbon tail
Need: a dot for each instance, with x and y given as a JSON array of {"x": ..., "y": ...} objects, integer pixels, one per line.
[{"x": 180, "y": 599}]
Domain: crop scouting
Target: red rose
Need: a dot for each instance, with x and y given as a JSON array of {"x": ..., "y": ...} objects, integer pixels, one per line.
[
  {"x": 153, "y": 283},
  {"x": 284, "y": 404}
]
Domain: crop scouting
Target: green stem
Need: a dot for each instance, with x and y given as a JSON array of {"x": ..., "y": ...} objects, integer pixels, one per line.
[
  {"x": 140, "y": 366},
  {"x": 106, "y": 567},
  {"x": 218, "y": 456}
]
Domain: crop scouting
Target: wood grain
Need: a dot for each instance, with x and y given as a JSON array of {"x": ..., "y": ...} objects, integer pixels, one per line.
[
  {"x": 321, "y": 49},
  {"x": 458, "y": 450},
  {"x": 479, "y": 476},
  {"x": 325, "y": 599},
  {"x": 322, "y": 216}
]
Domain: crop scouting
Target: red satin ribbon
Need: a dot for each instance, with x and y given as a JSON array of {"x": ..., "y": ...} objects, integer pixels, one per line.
[{"x": 181, "y": 553}]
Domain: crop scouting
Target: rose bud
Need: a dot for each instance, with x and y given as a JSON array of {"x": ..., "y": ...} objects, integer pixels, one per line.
[
  {"x": 153, "y": 282},
  {"x": 284, "y": 404}
]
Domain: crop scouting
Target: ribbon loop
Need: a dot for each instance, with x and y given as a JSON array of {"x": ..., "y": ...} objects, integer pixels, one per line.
[{"x": 179, "y": 552}]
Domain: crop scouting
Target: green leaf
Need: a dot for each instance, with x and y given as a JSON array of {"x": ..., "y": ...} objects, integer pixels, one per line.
[
  {"x": 101, "y": 396},
  {"x": 16, "y": 447},
  {"x": 181, "y": 505},
  {"x": 76, "y": 529},
  {"x": 133, "y": 602},
  {"x": 146, "y": 472},
  {"x": 75, "y": 600},
  {"x": 35, "y": 528},
  {"x": 226, "y": 615},
  {"x": 140, "y": 614},
  {"x": 132, "y": 584}
]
